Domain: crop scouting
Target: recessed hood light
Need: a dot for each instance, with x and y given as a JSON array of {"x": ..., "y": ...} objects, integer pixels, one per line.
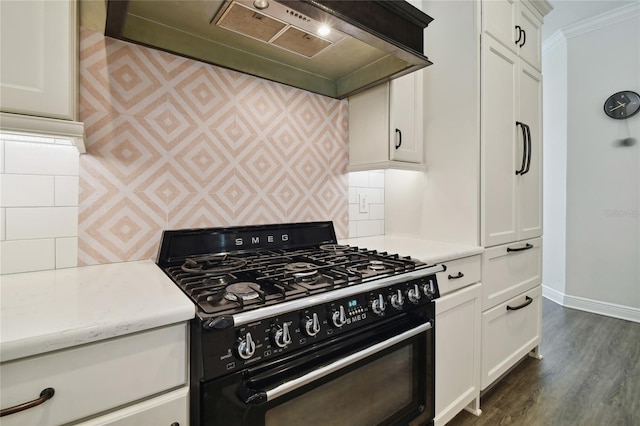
[{"x": 324, "y": 30}]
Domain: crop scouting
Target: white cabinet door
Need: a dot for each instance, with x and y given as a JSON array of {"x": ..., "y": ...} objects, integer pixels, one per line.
[
  {"x": 499, "y": 20},
  {"x": 509, "y": 332},
  {"x": 530, "y": 45},
  {"x": 530, "y": 183},
  {"x": 164, "y": 410},
  {"x": 500, "y": 149},
  {"x": 94, "y": 378},
  {"x": 457, "y": 352},
  {"x": 38, "y": 67},
  {"x": 405, "y": 128},
  {"x": 385, "y": 126}
]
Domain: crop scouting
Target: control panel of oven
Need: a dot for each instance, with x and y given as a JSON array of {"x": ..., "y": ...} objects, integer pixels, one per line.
[{"x": 270, "y": 337}]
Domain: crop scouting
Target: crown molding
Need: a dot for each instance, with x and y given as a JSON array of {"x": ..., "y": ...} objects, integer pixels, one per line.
[
  {"x": 558, "y": 38},
  {"x": 600, "y": 21}
]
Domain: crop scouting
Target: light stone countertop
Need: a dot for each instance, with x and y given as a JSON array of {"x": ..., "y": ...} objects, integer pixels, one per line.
[
  {"x": 427, "y": 251},
  {"x": 50, "y": 310}
]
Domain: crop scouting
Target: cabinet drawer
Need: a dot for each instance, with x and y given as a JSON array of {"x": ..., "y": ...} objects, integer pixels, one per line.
[
  {"x": 163, "y": 410},
  {"x": 507, "y": 271},
  {"x": 96, "y": 377},
  {"x": 508, "y": 334},
  {"x": 460, "y": 273}
]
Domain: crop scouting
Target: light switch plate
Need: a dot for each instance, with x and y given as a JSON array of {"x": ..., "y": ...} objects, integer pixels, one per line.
[{"x": 363, "y": 204}]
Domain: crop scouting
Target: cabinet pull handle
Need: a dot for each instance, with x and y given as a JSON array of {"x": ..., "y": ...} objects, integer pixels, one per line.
[
  {"x": 524, "y": 305},
  {"x": 526, "y": 247},
  {"x": 524, "y": 37},
  {"x": 460, "y": 275},
  {"x": 45, "y": 395},
  {"x": 528, "y": 132},
  {"x": 399, "y": 143},
  {"x": 524, "y": 148},
  {"x": 519, "y": 29}
]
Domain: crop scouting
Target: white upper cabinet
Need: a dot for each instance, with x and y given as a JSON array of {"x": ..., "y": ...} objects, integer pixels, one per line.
[
  {"x": 38, "y": 74},
  {"x": 511, "y": 181},
  {"x": 385, "y": 126},
  {"x": 499, "y": 149},
  {"x": 530, "y": 182},
  {"x": 529, "y": 46},
  {"x": 515, "y": 26}
]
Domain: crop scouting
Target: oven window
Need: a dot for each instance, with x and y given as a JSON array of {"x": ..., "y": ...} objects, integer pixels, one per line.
[{"x": 364, "y": 396}]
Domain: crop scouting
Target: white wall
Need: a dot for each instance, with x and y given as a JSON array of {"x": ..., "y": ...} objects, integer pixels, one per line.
[
  {"x": 602, "y": 176},
  {"x": 417, "y": 203},
  {"x": 554, "y": 69}
]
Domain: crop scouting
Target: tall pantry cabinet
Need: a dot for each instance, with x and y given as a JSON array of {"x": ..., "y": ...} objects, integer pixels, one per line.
[{"x": 510, "y": 182}]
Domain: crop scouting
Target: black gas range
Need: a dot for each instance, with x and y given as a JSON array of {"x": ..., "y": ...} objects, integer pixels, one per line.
[{"x": 276, "y": 304}]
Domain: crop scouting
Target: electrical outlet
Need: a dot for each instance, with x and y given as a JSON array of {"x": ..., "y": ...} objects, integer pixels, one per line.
[{"x": 363, "y": 204}]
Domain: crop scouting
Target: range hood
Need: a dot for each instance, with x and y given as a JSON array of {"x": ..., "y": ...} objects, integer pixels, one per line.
[{"x": 335, "y": 48}]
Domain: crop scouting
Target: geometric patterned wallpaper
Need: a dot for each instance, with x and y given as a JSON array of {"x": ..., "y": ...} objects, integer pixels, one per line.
[{"x": 174, "y": 143}]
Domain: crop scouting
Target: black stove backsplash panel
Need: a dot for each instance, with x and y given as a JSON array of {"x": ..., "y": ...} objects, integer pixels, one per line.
[{"x": 177, "y": 245}]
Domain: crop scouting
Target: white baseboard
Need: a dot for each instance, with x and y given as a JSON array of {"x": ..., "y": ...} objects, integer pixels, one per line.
[{"x": 594, "y": 306}]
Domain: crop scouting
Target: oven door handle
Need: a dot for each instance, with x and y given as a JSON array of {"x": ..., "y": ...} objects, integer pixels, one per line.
[{"x": 258, "y": 397}]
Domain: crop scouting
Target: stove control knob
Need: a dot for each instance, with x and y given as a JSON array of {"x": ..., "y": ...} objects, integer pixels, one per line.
[
  {"x": 246, "y": 347},
  {"x": 378, "y": 306},
  {"x": 281, "y": 336},
  {"x": 397, "y": 299},
  {"x": 312, "y": 325},
  {"x": 428, "y": 289},
  {"x": 414, "y": 294},
  {"x": 338, "y": 317}
]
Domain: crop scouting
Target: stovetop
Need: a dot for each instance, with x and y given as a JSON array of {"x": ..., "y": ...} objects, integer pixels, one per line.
[{"x": 231, "y": 270}]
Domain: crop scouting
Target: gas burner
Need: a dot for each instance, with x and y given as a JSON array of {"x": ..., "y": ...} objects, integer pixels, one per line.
[
  {"x": 377, "y": 265},
  {"x": 334, "y": 247},
  {"x": 301, "y": 268},
  {"x": 242, "y": 290},
  {"x": 212, "y": 265},
  {"x": 217, "y": 280}
]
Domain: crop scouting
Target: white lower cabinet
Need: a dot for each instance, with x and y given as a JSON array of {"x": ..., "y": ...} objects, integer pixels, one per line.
[
  {"x": 510, "y": 269},
  {"x": 166, "y": 410},
  {"x": 95, "y": 378},
  {"x": 457, "y": 353},
  {"x": 510, "y": 330}
]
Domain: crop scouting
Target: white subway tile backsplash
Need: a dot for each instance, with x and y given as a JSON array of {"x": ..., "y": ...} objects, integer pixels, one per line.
[
  {"x": 1, "y": 156},
  {"x": 370, "y": 185},
  {"x": 376, "y": 179},
  {"x": 66, "y": 190},
  {"x": 359, "y": 179},
  {"x": 26, "y": 190},
  {"x": 41, "y": 222},
  {"x": 374, "y": 195},
  {"x": 353, "y": 198},
  {"x": 66, "y": 252},
  {"x": 367, "y": 228},
  {"x": 40, "y": 159},
  {"x": 376, "y": 211},
  {"x": 27, "y": 255},
  {"x": 2, "y": 227},
  {"x": 354, "y": 213}
]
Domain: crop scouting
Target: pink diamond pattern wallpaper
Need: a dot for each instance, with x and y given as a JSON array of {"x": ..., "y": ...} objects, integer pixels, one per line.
[{"x": 174, "y": 143}]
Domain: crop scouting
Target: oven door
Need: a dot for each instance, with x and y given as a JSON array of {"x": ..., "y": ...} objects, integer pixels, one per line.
[{"x": 379, "y": 375}]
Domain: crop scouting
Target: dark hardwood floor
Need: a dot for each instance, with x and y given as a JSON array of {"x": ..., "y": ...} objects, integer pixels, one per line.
[{"x": 590, "y": 375}]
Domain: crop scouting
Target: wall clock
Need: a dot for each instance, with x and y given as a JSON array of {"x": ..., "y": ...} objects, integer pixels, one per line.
[{"x": 622, "y": 104}]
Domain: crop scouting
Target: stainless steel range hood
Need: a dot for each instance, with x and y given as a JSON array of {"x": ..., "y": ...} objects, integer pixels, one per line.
[{"x": 369, "y": 42}]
